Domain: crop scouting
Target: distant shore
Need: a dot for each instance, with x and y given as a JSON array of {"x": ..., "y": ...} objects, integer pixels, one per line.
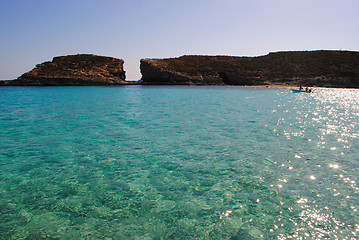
[{"x": 323, "y": 68}]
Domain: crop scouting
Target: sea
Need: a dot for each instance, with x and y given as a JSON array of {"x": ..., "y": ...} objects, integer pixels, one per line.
[{"x": 178, "y": 162}]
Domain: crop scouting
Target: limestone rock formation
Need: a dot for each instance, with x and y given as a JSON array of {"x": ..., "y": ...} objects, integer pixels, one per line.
[
  {"x": 310, "y": 68},
  {"x": 81, "y": 69}
]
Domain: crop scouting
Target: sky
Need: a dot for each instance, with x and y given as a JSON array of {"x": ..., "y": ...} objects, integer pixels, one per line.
[{"x": 35, "y": 31}]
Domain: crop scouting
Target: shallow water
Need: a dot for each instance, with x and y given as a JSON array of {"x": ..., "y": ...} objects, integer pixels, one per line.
[{"x": 141, "y": 162}]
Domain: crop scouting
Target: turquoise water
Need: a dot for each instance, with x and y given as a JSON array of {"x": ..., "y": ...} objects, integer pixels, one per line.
[{"x": 141, "y": 162}]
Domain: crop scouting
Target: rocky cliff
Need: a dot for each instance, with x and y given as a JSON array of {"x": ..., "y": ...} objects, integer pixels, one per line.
[
  {"x": 308, "y": 68},
  {"x": 82, "y": 70}
]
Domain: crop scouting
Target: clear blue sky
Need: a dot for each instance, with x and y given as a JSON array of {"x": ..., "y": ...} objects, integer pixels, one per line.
[{"x": 34, "y": 31}]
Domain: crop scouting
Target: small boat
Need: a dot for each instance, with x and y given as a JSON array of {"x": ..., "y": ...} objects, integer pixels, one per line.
[{"x": 301, "y": 90}]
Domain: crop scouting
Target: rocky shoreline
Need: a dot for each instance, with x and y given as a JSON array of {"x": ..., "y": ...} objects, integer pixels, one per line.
[
  {"x": 322, "y": 68},
  {"x": 309, "y": 68},
  {"x": 74, "y": 70}
]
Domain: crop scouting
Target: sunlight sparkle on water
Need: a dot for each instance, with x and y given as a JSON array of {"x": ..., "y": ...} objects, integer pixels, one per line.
[{"x": 334, "y": 166}]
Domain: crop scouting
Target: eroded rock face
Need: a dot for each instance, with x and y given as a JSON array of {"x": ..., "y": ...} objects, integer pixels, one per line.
[
  {"x": 82, "y": 69},
  {"x": 185, "y": 70},
  {"x": 308, "y": 68}
]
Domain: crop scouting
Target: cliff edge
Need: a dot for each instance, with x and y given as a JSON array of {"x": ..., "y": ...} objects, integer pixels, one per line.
[
  {"x": 308, "y": 68},
  {"x": 72, "y": 70}
]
